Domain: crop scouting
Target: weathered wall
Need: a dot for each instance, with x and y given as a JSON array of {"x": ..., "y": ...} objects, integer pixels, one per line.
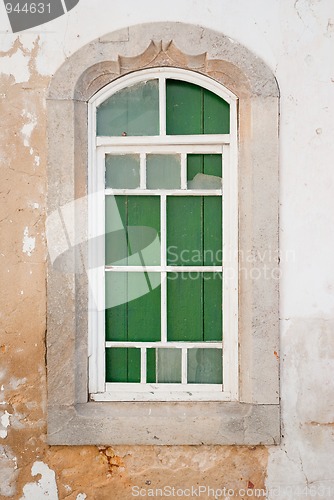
[{"x": 296, "y": 39}]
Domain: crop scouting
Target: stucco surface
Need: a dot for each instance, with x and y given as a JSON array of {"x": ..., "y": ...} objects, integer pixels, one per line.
[{"x": 296, "y": 40}]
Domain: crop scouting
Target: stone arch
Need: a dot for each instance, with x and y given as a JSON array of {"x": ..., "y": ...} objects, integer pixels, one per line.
[{"x": 194, "y": 48}]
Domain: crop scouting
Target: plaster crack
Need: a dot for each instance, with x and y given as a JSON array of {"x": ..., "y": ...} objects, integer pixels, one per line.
[
  {"x": 302, "y": 469},
  {"x": 297, "y": 11},
  {"x": 299, "y": 463}
]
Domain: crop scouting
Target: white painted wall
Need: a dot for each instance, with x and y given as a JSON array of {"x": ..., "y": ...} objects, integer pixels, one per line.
[{"x": 296, "y": 39}]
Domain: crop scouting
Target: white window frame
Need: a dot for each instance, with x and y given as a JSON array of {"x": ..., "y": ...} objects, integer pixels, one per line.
[{"x": 98, "y": 147}]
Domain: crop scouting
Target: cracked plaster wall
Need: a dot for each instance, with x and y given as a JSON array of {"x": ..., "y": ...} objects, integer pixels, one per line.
[{"x": 296, "y": 39}]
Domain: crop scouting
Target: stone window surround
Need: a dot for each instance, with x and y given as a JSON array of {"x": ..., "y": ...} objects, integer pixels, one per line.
[{"x": 255, "y": 419}]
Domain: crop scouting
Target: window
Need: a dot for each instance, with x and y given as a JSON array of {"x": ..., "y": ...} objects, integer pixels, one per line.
[
  {"x": 164, "y": 140},
  {"x": 103, "y": 74}
]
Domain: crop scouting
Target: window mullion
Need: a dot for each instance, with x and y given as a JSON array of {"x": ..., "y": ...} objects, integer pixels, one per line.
[
  {"x": 183, "y": 171},
  {"x": 162, "y": 105},
  {"x": 142, "y": 170},
  {"x": 163, "y": 243},
  {"x": 143, "y": 364},
  {"x": 184, "y": 366}
]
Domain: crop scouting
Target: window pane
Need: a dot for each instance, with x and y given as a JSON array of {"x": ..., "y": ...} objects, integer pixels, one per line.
[
  {"x": 204, "y": 171},
  {"x": 122, "y": 365},
  {"x": 194, "y": 230},
  {"x": 133, "y": 306},
  {"x": 205, "y": 366},
  {"x": 132, "y": 230},
  {"x": 190, "y": 109},
  {"x": 163, "y": 171},
  {"x": 122, "y": 171},
  {"x": 131, "y": 111},
  {"x": 194, "y": 307},
  {"x": 212, "y": 306},
  {"x": 216, "y": 119},
  {"x": 167, "y": 368}
]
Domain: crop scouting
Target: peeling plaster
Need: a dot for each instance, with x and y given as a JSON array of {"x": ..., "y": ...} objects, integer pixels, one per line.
[
  {"x": 14, "y": 382},
  {"x": 8, "y": 472},
  {"x": 17, "y": 66},
  {"x": 5, "y": 422},
  {"x": 29, "y": 242},
  {"x": 46, "y": 486},
  {"x": 28, "y": 128},
  {"x": 81, "y": 496}
]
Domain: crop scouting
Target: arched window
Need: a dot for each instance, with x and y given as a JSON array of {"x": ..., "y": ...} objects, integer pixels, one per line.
[
  {"x": 163, "y": 189},
  {"x": 163, "y": 164}
]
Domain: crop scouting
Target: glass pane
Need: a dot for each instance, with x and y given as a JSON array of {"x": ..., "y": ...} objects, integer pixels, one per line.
[
  {"x": 133, "y": 306},
  {"x": 164, "y": 366},
  {"x": 122, "y": 171},
  {"x": 151, "y": 366},
  {"x": 205, "y": 366},
  {"x": 194, "y": 307},
  {"x": 194, "y": 230},
  {"x": 131, "y": 111},
  {"x": 213, "y": 306},
  {"x": 216, "y": 119},
  {"x": 163, "y": 171},
  {"x": 191, "y": 109},
  {"x": 122, "y": 364},
  {"x": 132, "y": 230},
  {"x": 204, "y": 171}
]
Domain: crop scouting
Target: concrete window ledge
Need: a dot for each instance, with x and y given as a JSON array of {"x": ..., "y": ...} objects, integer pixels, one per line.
[
  {"x": 164, "y": 423},
  {"x": 72, "y": 418}
]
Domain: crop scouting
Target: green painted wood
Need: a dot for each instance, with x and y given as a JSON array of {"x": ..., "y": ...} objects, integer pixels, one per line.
[
  {"x": 212, "y": 230},
  {"x": 205, "y": 366},
  {"x": 212, "y": 165},
  {"x": 184, "y": 307},
  {"x": 190, "y": 109},
  {"x": 184, "y": 110},
  {"x": 122, "y": 364},
  {"x": 212, "y": 310},
  {"x": 131, "y": 111},
  {"x": 116, "y": 246},
  {"x": 194, "y": 165},
  {"x": 184, "y": 230},
  {"x": 116, "y": 313},
  {"x": 116, "y": 365},
  {"x": 144, "y": 213},
  {"x": 122, "y": 171},
  {"x": 150, "y": 366},
  {"x": 216, "y": 114},
  {"x": 135, "y": 319},
  {"x": 133, "y": 365},
  {"x": 144, "y": 312},
  {"x": 196, "y": 237}
]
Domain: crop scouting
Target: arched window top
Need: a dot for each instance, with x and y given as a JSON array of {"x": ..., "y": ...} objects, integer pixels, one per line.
[{"x": 163, "y": 102}]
